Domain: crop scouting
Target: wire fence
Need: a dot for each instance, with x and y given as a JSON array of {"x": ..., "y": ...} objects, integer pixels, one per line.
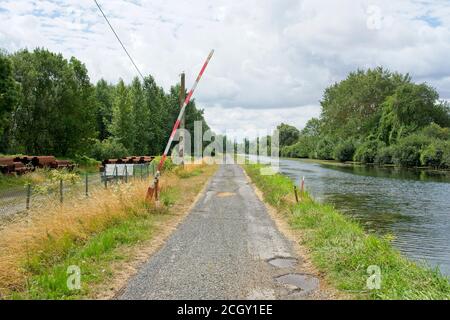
[{"x": 19, "y": 200}]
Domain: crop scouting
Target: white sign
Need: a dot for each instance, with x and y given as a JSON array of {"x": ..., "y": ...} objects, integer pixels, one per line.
[{"x": 120, "y": 170}]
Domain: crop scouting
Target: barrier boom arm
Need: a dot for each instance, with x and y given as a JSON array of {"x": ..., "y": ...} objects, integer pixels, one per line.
[{"x": 151, "y": 188}]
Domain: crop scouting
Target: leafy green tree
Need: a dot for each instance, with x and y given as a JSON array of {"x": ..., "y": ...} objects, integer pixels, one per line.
[
  {"x": 122, "y": 125},
  {"x": 409, "y": 109},
  {"x": 9, "y": 97},
  {"x": 312, "y": 128},
  {"x": 159, "y": 121},
  {"x": 352, "y": 107},
  {"x": 141, "y": 119},
  {"x": 288, "y": 134},
  {"x": 57, "y": 102},
  {"x": 104, "y": 93}
]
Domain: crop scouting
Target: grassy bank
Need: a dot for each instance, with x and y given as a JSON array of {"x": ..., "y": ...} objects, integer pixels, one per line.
[
  {"x": 341, "y": 249},
  {"x": 97, "y": 235}
]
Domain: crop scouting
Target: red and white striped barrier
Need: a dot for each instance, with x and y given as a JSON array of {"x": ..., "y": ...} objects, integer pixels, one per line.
[{"x": 151, "y": 188}]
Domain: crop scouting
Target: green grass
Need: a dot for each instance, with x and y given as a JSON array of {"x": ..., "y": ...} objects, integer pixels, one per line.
[
  {"x": 343, "y": 251},
  {"x": 12, "y": 182},
  {"x": 183, "y": 174},
  {"x": 49, "y": 270}
]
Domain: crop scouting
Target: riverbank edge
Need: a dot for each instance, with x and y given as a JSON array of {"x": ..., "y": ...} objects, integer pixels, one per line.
[
  {"x": 339, "y": 247},
  {"x": 370, "y": 165}
]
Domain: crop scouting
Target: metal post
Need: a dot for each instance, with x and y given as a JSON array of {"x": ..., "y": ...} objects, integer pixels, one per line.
[
  {"x": 126, "y": 174},
  {"x": 182, "y": 122},
  {"x": 116, "y": 173},
  {"x": 61, "y": 192},
  {"x": 28, "y": 196},
  {"x": 105, "y": 178}
]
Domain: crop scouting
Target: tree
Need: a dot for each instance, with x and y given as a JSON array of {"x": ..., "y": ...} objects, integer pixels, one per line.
[
  {"x": 159, "y": 120},
  {"x": 9, "y": 97},
  {"x": 122, "y": 125},
  {"x": 410, "y": 108},
  {"x": 352, "y": 107},
  {"x": 312, "y": 128},
  {"x": 56, "y": 104},
  {"x": 104, "y": 93},
  {"x": 288, "y": 135},
  {"x": 141, "y": 118}
]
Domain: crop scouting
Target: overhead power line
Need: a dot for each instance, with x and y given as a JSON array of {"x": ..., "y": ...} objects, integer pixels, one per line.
[{"x": 121, "y": 43}]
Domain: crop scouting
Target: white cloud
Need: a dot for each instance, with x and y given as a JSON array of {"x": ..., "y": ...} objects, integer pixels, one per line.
[
  {"x": 242, "y": 122},
  {"x": 273, "y": 59}
]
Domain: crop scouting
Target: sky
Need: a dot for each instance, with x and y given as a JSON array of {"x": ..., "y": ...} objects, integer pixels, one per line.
[{"x": 272, "y": 61}]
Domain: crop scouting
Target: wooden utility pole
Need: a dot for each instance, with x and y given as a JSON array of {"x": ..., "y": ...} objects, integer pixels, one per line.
[{"x": 182, "y": 122}]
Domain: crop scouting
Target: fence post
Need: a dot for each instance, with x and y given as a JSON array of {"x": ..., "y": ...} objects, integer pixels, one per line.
[
  {"x": 295, "y": 192},
  {"x": 28, "y": 196},
  {"x": 61, "y": 192},
  {"x": 105, "y": 179},
  {"x": 116, "y": 173},
  {"x": 87, "y": 184},
  {"x": 302, "y": 190},
  {"x": 126, "y": 174}
]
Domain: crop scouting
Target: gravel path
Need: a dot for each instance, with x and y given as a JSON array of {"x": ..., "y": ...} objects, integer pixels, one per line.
[{"x": 222, "y": 250}]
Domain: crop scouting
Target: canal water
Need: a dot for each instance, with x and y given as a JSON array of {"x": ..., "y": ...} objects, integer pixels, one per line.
[{"x": 412, "y": 205}]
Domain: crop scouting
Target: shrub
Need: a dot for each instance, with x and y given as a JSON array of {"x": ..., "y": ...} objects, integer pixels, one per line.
[
  {"x": 384, "y": 156},
  {"x": 446, "y": 157},
  {"x": 287, "y": 151},
  {"x": 433, "y": 154},
  {"x": 304, "y": 148},
  {"x": 344, "y": 151},
  {"x": 85, "y": 161},
  {"x": 407, "y": 151},
  {"x": 325, "y": 148},
  {"x": 367, "y": 151},
  {"x": 435, "y": 131},
  {"x": 108, "y": 149}
]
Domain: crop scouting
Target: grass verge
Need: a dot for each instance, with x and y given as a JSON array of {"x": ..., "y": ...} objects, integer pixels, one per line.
[
  {"x": 96, "y": 235},
  {"x": 343, "y": 251}
]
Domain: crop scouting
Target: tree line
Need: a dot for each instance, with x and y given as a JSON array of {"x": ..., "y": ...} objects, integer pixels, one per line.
[
  {"x": 48, "y": 105},
  {"x": 375, "y": 116}
]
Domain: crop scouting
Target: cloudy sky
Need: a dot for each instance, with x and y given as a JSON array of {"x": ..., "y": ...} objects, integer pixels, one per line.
[{"x": 272, "y": 59}]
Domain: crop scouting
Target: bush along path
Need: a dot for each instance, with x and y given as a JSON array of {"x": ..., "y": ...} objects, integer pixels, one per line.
[
  {"x": 227, "y": 248},
  {"x": 361, "y": 265}
]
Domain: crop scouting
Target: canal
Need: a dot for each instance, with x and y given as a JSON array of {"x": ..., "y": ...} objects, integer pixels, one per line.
[{"x": 412, "y": 205}]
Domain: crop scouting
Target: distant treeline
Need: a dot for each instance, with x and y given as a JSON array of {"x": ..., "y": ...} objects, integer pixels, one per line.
[
  {"x": 375, "y": 116},
  {"x": 49, "y": 106}
]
